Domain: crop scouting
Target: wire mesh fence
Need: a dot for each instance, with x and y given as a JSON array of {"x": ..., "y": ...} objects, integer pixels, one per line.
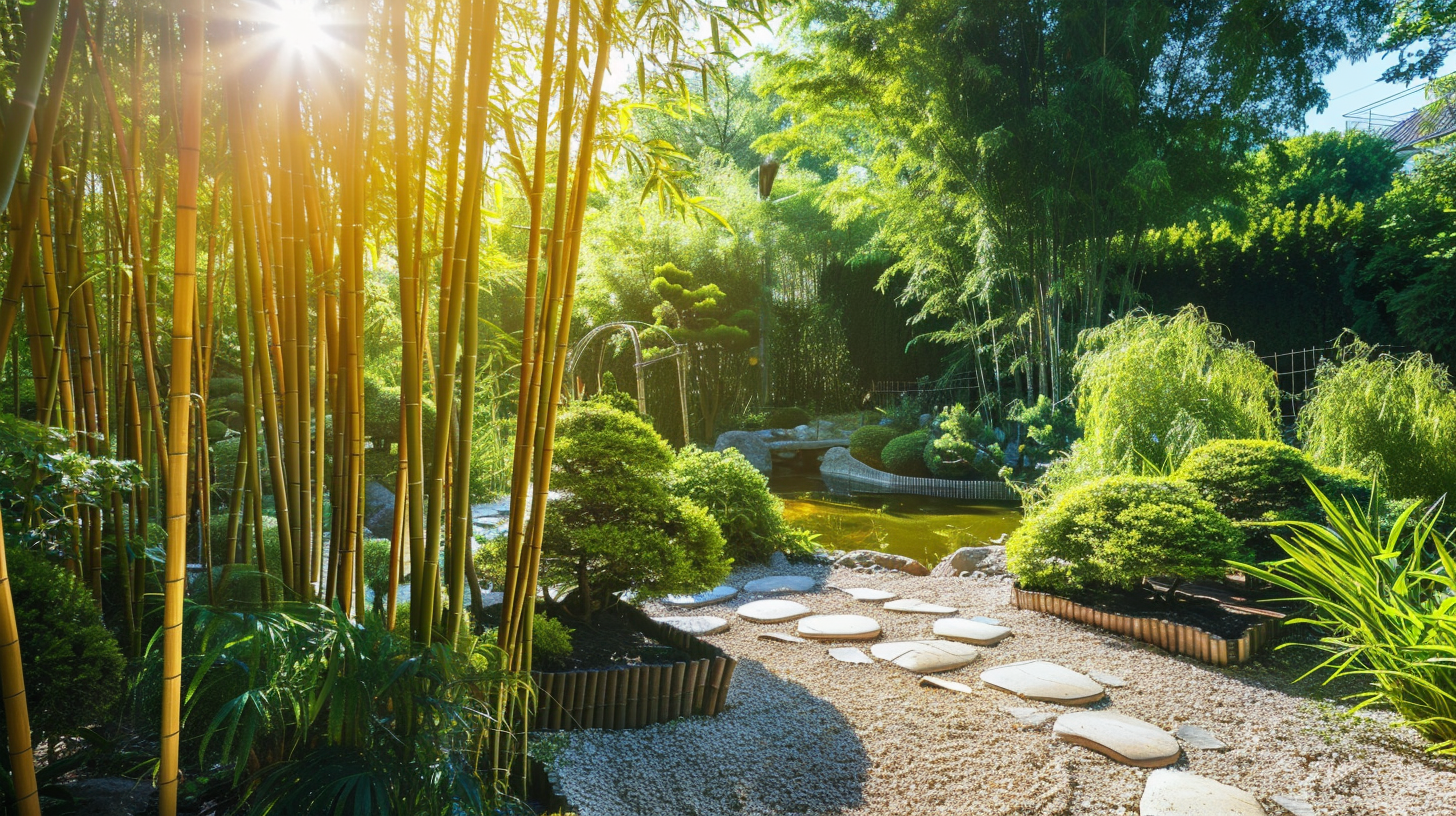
[
  {"x": 927, "y": 392},
  {"x": 1294, "y": 371}
]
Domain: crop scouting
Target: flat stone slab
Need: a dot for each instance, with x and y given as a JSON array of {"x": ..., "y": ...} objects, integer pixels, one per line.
[
  {"x": 984, "y": 619},
  {"x": 1029, "y": 717},
  {"x": 780, "y": 585},
  {"x": 849, "y": 654},
  {"x": 1126, "y": 739},
  {"x": 839, "y": 627},
  {"x": 772, "y": 611},
  {"x": 696, "y": 624},
  {"x": 1295, "y": 805},
  {"x": 1045, "y": 681},
  {"x": 918, "y": 606},
  {"x": 782, "y": 637},
  {"x": 1200, "y": 738},
  {"x": 970, "y": 631},
  {"x": 948, "y": 685},
  {"x": 1108, "y": 680},
  {"x": 867, "y": 594},
  {"x": 716, "y": 595},
  {"x": 926, "y": 656},
  {"x": 1179, "y": 793}
]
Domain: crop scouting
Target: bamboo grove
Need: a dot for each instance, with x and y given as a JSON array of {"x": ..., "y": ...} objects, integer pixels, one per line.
[{"x": 198, "y": 189}]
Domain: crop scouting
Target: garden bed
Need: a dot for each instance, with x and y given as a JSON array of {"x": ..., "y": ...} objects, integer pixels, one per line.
[{"x": 1197, "y": 624}]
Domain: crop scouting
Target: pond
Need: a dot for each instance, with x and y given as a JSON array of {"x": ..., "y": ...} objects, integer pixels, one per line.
[{"x": 925, "y": 528}]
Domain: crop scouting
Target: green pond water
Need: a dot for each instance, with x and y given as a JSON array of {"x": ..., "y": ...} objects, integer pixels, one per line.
[{"x": 925, "y": 528}]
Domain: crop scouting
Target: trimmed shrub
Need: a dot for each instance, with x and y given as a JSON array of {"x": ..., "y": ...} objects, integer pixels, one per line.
[
  {"x": 786, "y": 418},
  {"x": 550, "y": 642},
  {"x": 905, "y": 455},
  {"x": 868, "y": 443},
  {"x": 1115, "y": 531},
  {"x": 1249, "y": 478},
  {"x": 74, "y": 671},
  {"x": 376, "y": 569},
  {"x": 736, "y": 495},
  {"x": 965, "y": 447}
]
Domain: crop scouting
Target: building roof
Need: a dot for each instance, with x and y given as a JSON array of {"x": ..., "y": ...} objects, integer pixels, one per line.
[{"x": 1424, "y": 125}]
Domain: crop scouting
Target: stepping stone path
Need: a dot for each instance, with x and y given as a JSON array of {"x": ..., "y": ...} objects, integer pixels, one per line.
[
  {"x": 780, "y": 585},
  {"x": 1297, "y": 807},
  {"x": 970, "y": 631},
  {"x": 948, "y": 685},
  {"x": 716, "y": 595},
  {"x": 919, "y": 606},
  {"x": 867, "y": 594},
  {"x": 926, "y": 656},
  {"x": 696, "y": 624},
  {"x": 1108, "y": 680},
  {"x": 986, "y": 620},
  {"x": 1178, "y": 793},
  {"x": 1029, "y": 717},
  {"x": 1200, "y": 738},
  {"x": 839, "y": 627},
  {"x": 781, "y": 637},
  {"x": 1045, "y": 681},
  {"x": 772, "y": 611},
  {"x": 849, "y": 654},
  {"x": 1126, "y": 739}
]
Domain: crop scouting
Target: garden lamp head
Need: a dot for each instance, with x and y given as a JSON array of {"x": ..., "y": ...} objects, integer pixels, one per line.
[{"x": 768, "y": 169}]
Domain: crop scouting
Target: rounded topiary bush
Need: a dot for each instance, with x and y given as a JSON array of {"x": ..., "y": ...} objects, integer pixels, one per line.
[
  {"x": 866, "y": 444},
  {"x": 905, "y": 455},
  {"x": 786, "y": 418},
  {"x": 1249, "y": 478},
  {"x": 74, "y": 671},
  {"x": 1115, "y": 531}
]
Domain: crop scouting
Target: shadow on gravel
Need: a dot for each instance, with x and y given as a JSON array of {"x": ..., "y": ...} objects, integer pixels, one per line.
[{"x": 776, "y": 749}]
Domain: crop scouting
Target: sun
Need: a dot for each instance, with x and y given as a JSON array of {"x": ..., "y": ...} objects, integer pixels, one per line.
[{"x": 300, "y": 26}]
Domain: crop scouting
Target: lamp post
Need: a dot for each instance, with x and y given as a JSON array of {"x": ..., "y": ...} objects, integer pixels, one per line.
[{"x": 768, "y": 170}]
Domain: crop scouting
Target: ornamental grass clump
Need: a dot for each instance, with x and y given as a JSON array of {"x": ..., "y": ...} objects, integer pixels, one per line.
[
  {"x": 1386, "y": 601},
  {"x": 1391, "y": 417}
]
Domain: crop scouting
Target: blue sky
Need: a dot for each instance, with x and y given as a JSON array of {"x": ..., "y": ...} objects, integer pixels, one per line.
[{"x": 1355, "y": 84}]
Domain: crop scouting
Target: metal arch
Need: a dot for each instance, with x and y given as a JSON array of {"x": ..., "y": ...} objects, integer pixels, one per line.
[{"x": 635, "y": 329}]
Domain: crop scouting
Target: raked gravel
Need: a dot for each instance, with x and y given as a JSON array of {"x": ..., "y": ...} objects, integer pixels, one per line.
[{"x": 805, "y": 734}]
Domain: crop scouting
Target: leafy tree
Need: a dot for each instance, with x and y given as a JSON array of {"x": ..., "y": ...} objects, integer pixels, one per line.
[
  {"x": 715, "y": 347},
  {"x": 1354, "y": 166}
]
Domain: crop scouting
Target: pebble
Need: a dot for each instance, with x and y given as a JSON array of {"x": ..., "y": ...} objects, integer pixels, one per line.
[
  {"x": 849, "y": 654},
  {"x": 1200, "y": 738}
]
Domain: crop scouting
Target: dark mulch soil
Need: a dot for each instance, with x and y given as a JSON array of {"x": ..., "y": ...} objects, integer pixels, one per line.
[
  {"x": 610, "y": 640},
  {"x": 1226, "y": 620}
]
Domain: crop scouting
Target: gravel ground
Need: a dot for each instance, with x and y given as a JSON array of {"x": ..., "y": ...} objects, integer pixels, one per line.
[{"x": 804, "y": 734}]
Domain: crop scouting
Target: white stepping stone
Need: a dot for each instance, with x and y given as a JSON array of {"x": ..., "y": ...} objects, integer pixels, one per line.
[
  {"x": 696, "y": 624},
  {"x": 772, "y": 611},
  {"x": 867, "y": 594},
  {"x": 1108, "y": 680},
  {"x": 779, "y": 585},
  {"x": 919, "y": 606},
  {"x": 1179, "y": 793},
  {"x": 948, "y": 685},
  {"x": 1045, "y": 681},
  {"x": 782, "y": 637},
  {"x": 984, "y": 619},
  {"x": 716, "y": 595},
  {"x": 970, "y": 631},
  {"x": 1295, "y": 805},
  {"x": 1200, "y": 738},
  {"x": 849, "y": 654},
  {"x": 1126, "y": 739},
  {"x": 1029, "y": 717},
  {"x": 839, "y": 627},
  {"x": 926, "y": 656}
]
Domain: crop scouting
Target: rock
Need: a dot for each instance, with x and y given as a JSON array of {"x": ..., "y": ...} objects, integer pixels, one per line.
[
  {"x": 1029, "y": 717},
  {"x": 1043, "y": 680},
  {"x": 378, "y": 509},
  {"x": 716, "y": 595},
  {"x": 926, "y": 656},
  {"x": 778, "y": 561},
  {"x": 1109, "y": 680},
  {"x": 780, "y": 585},
  {"x": 772, "y": 611},
  {"x": 1000, "y": 540},
  {"x": 970, "y": 559},
  {"x": 1296, "y": 806},
  {"x": 782, "y": 637},
  {"x": 889, "y": 561},
  {"x": 696, "y": 624},
  {"x": 803, "y": 433},
  {"x": 948, "y": 685},
  {"x": 925, "y": 420},
  {"x": 751, "y": 445},
  {"x": 918, "y": 606},
  {"x": 984, "y": 619},
  {"x": 866, "y": 594},
  {"x": 1126, "y": 739},
  {"x": 839, "y": 627},
  {"x": 1178, "y": 793},
  {"x": 849, "y": 654},
  {"x": 1200, "y": 738},
  {"x": 970, "y": 631}
]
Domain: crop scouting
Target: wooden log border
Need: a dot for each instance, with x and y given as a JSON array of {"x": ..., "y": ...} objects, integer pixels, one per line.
[
  {"x": 1178, "y": 638},
  {"x": 636, "y": 696}
]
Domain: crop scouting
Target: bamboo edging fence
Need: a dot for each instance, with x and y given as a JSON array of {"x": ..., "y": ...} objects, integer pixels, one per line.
[
  {"x": 636, "y": 696},
  {"x": 1177, "y": 638}
]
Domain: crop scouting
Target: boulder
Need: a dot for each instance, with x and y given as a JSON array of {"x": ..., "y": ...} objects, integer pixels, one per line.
[
  {"x": 751, "y": 445},
  {"x": 378, "y": 509},
  {"x": 874, "y": 558},
  {"x": 990, "y": 560}
]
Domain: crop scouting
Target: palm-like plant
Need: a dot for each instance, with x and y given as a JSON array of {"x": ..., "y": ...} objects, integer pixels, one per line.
[{"x": 1386, "y": 600}]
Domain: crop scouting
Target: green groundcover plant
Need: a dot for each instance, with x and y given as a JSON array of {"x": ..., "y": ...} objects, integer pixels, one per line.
[{"x": 1385, "y": 599}]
